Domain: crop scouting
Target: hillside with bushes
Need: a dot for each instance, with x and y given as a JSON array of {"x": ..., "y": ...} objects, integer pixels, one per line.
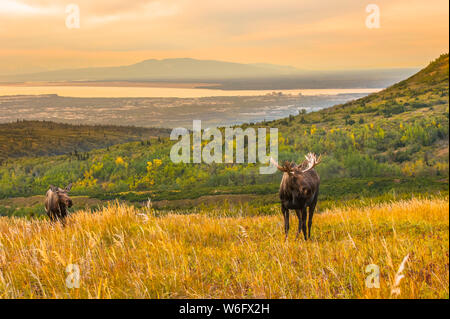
[
  {"x": 44, "y": 138},
  {"x": 395, "y": 141}
]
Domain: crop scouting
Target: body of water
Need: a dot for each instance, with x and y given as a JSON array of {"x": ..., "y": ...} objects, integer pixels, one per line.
[{"x": 124, "y": 92}]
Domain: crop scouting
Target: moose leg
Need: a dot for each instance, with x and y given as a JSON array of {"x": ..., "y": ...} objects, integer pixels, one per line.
[
  {"x": 62, "y": 218},
  {"x": 286, "y": 221},
  {"x": 312, "y": 207},
  {"x": 310, "y": 217},
  {"x": 304, "y": 222},
  {"x": 300, "y": 221},
  {"x": 51, "y": 216}
]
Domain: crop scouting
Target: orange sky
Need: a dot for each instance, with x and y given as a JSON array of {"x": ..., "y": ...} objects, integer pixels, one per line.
[{"x": 308, "y": 34}]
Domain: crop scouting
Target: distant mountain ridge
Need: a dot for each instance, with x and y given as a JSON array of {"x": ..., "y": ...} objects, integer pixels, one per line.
[
  {"x": 166, "y": 69},
  {"x": 190, "y": 70}
]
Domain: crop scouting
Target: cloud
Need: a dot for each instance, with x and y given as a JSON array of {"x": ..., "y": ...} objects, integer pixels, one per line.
[
  {"x": 18, "y": 8},
  {"x": 147, "y": 10}
]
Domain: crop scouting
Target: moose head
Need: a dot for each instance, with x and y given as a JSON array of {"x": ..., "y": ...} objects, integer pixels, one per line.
[
  {"x": 63, "y": 195},
  {"x": 292, "y": 169}
]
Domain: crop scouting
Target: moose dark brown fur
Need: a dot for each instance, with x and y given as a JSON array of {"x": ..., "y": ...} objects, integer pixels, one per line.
[
  {"x": 56, "y": 202},
  {"x": 299, "y": 190}
]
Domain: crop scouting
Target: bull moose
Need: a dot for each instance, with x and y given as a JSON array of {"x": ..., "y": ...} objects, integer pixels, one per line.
[
  {"x": 56, "y": 202},
  {"x": 299, "y": 189}
]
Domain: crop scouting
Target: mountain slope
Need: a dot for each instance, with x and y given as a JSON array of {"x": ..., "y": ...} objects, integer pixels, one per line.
[
  {"x": 405, "y": 123},
  {"x": 427, "y": 87}
]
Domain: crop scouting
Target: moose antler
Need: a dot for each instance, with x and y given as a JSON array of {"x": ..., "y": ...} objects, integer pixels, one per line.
[
  {"x": 275, "y": 163},
  {"x": 312, "y": 161},
  {"x": 287, "y": 167}
]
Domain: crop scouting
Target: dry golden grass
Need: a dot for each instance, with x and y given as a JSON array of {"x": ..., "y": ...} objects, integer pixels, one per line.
[{"x": 125, "y": 253}]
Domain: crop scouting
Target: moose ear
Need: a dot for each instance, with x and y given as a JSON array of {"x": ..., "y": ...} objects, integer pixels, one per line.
[
  {"x": 68, "y": 187},
  {"x": 53, "y": 188}
]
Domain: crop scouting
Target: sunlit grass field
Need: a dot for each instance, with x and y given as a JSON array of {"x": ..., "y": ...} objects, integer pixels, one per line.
[{"x": 123, "y": 252}]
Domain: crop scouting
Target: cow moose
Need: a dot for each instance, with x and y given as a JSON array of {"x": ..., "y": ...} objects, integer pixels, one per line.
[
  {"x": 56, "y": 202},
  {"x": 299, "y": 189}
]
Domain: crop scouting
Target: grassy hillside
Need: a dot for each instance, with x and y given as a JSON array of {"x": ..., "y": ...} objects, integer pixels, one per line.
[
  {"x": 395, "y": 141},
  {"x": 409, "y": 118},
  {"x": 428, "y": 87},
  {"x": 41, "y": 138},
  {"x": 125, "y": 253}
]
